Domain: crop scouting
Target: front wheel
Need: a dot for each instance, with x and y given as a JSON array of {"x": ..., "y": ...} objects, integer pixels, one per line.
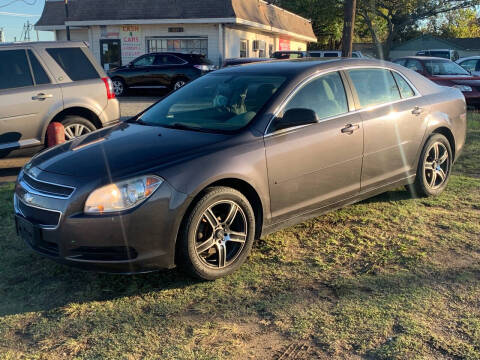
[
  {"x": 218, "y": 234},
  {"x": 435, "y": 166}
]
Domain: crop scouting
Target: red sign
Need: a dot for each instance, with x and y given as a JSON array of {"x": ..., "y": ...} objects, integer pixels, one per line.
[{"x": 284, "y": 44}]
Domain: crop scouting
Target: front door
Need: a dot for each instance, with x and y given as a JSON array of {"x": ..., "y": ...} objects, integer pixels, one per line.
[
  {"x": 26, "y": 99},
  {"x": 111, "y": 54},
  {"x": 319, "y": 164}
]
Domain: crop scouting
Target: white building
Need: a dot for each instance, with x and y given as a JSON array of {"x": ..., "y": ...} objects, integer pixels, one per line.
[{"x": 120, "y": 30}]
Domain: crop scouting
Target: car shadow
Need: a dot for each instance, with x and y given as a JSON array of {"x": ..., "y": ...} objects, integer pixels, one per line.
[{"x": 12, "y": 139}]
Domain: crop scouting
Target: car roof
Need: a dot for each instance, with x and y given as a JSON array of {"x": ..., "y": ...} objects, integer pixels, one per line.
[
  {"x": 437, "y": 50},
  {"x": 429, "y": 58},
  {"x": 303, "y": 66}
]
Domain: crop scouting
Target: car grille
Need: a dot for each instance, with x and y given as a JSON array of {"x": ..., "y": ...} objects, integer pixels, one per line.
[
  {"x": 111, "y": 253},
  {"x": 38, "y": 216},
  {"x": 48, "y": 189}
]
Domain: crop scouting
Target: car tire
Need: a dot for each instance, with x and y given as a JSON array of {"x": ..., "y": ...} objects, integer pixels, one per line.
[
  {"x": 179, "y": 83},
  {"x": 434, "y": 167},
  {"x": 119, "y": 87},
  {"x": 76, "y": 126},
  {"x": 217, "y": 234}
]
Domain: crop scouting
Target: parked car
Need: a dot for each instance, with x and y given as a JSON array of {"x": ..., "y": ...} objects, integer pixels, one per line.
[
  {"x": 286, "y": 55},
  {"x": 47, "y": 82},
  {"x": 441, "y": 53},
  {"x": 333, "y": 54},
  {"x": 166, "y": 70},
  {"x": 242, "y": 61},
  {"x": 471, "y": 64},
  {"x": 233, "y": 156},
  {"x": 446, "y": 73}
]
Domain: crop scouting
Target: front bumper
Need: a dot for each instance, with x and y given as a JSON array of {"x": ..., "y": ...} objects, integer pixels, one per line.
[{"x": 140, "y": 240}]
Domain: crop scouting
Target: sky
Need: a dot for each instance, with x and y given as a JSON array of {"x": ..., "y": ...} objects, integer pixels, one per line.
[{"x": 13, "y": 25}]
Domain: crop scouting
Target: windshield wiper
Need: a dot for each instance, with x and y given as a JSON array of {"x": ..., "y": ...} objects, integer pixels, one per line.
[{"x": 180, "y": 126}]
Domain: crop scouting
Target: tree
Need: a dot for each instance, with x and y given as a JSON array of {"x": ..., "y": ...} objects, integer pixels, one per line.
[
  {"x": 398, "y": 15},
  {"x": 462, "y": 23}
]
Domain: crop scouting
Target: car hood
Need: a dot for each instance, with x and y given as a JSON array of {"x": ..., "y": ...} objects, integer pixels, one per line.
[{"x": 123, "y": 150}]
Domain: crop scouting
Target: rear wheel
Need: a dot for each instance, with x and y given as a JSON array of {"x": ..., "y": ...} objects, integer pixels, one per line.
[
  {"x": 76, "y": 126},
  {"x": 218, "y": 234},
  {"x": 434, "y": 167},
  {"x": 179, "y": 83},
  {"x": 119, "y": 87}
]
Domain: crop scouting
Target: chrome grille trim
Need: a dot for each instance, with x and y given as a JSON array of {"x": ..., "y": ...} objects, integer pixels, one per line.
[
  {"x": 29, "y": 188},
  {"x": 16, "y": 200}
]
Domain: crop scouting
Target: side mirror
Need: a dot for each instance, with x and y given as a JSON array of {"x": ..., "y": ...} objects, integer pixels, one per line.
[
  {"x": 295, "y": 117},
  {"x": 131, "y": 65}
]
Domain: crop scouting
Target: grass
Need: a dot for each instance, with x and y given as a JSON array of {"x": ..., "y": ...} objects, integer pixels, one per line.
[{"x": 389, "y": 278}]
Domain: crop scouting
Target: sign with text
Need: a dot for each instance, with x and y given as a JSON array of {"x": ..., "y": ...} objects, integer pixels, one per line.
[
  {"x": 283, "y": 44},
  {"x": 132, "y": 45}
]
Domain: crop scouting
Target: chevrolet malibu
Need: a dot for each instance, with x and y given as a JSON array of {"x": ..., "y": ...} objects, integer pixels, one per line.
[{"x": 235, "y": 155}]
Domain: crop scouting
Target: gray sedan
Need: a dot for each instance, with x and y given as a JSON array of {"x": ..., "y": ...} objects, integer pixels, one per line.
[{"x": 233, "y": 156}]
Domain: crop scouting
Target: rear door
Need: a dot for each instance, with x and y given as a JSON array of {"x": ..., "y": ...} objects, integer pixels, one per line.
[
  {"x": 167, "y": 67},
  {"x": 28, "y": 97},
  {"x": 319, "y": 164},
  {"x": 394, "y": 120}
]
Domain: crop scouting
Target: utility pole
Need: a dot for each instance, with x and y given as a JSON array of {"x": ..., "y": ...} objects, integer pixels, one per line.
[
  {"x": 348, "y": 27},
  {"x": 66, "y": 19}
]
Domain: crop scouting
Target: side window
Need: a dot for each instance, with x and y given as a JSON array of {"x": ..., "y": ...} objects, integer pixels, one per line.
[
  {"x": 331, "y": 54},
  {"x": 145, "y": 61},
  {"x": 406, "y": 90},
  {"x": 374, "y": 86},
  {"x": 469, "y": 65},
  {"x": 401, "y": 62},
  {"x": 74, "y": 62},
  {"x": 14, "y": 70},
  {"x": 39, "y": 73},
  {"x": 414, "y": 65},
  {"x": 324, "y": 95}
]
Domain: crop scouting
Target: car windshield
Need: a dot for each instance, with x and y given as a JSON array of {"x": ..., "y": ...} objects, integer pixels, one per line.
[
  {"x": 216, "y": 102},
  {"x": 444, "y": 67}
]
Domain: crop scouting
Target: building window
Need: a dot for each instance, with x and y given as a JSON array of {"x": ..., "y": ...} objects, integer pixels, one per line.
[
  {"x": 244, "y": 48},
  {"x": 182, "y": 45},
  {"x": 175, "y": 29}
]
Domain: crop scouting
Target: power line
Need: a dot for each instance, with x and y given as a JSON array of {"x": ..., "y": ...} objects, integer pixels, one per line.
[{"x": 31, "y": 3}]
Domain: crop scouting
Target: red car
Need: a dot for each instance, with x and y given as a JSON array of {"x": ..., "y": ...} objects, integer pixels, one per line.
[{"x": 446, "y": 73}]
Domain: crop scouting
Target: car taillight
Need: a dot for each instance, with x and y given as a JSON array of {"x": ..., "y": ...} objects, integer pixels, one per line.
[
  {"x": 109, "y": 86},
  {"x": 202, "y": 67}
]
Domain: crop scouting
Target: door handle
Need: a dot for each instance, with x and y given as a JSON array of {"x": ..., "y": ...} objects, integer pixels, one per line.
[
  {"x": 417, "y": 110},
  {"x": 42, "y": 96},
  {"x": 350, "y": 129}
]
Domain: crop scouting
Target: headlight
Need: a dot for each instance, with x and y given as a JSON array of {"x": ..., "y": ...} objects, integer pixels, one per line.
[
  {"x": 463, "y": 88},
  {"x": 121, "y": 196}
]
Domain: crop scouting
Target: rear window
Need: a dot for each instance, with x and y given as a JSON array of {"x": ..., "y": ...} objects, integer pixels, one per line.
[
  {"x": 200, "y": 60},
  {"x": 74, "y": 62},
  {"x": 14, "y": 69}
]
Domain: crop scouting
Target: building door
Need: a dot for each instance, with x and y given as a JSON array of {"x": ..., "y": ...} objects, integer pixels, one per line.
[{"x": 111, "y": 53}]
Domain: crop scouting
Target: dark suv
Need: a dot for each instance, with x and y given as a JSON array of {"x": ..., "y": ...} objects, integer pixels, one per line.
[{"x": 159, "y": 70}]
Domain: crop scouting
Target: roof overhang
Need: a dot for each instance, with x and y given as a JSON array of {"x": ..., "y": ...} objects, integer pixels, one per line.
[{"x": 232, "y": 20}]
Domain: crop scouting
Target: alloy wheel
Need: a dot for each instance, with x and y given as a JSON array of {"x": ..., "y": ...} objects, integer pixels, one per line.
[
  {"x": 118, "y": 87},
  {"x": 221, "y": 234},
  {"x": 436, "y": 165},
  {"x": 179, "y": 84},
  {"x": 75, "y": 130}
]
